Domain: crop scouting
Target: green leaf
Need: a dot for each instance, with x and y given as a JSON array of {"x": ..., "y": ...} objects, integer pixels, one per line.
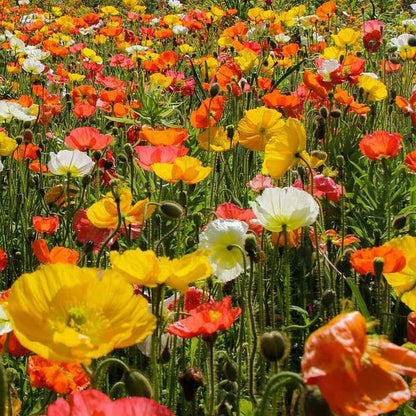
[
  {"x": 246, "y": 408},
  {"x": 358, "y": 298},
  {"x": 409, "y": 411}
]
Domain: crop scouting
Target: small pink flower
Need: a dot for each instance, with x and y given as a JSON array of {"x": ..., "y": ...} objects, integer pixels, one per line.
[
  {"x": 260, "y": 182},
  {"x": 158, "y": 154}
]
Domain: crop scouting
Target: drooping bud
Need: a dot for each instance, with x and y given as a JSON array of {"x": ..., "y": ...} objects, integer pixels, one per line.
[
  {"x": 137, "y": 384},
  {"x": 191, "y": 380},
  {"x": 230, "y": 370}
]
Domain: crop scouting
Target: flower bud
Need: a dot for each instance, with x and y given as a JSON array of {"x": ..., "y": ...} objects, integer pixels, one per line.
[
  {"x": 191, "y": 380},
  {"x": 97, "y": 155},
  {"x": 378, "y": 266},
  {"x": 314, "y": 404},
  {"x": 198, "y": 219},
  {"x": 172, "y": 210},
  {"x": 252, "y": 248},
  {"x": 377, "y": 237},
  {"x": 128, "y": 149},
  {"x": 86, "y": 180},
  {"x": 335, "y": 114},
  {"x": 137, "y": 384},
  {"x": 412, "y": 41},
  {"x": 19, "y": 140},
  {"x": 28, "y": 135},
  {"x": 230, "y": 370},
  {"x": 399, "y": 222},
  {"x": 214, "y": 90},
  {"x": 323, "y": 112},
  {"x": 274, "y": 346}
]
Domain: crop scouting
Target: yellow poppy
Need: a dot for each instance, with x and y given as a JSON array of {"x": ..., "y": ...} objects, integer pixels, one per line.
[
  {"x": 374, "y": 90},
  {"x": 404, "y": 281},
  {"x": 283, "y": 150},
  {"x": 216, "y": 139},
  {"x": 103, "y": 214},
  {"x": 70, "y": 314},
  {"x": 186, "y": 168},
  {"x": 346, "y": 37},
  {"x": 258, "y": 126},
  {"x": 7, "y": 145},
  {"x": 144, "y": 268}
]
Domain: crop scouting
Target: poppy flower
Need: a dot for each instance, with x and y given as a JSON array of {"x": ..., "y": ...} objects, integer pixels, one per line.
[
  {"x": 84, "y": 138},
  {"x": 173, "y": 136},
  {"x": 56, "y": 255},
  {"x": 47, "y": 321},
  {"x": 372, "y": 33},
  {"x": 209, "y": 112},
  {"x": 3, "y": 260},
  {"x": 374, "y": 89},
  {"x": 403, "y": 281},
  {"x": 7, "y": 144},
  {"x": 230, "y": 211},
  {"x": 357, "y": 375},
  {"x": 411, "y": 327},
  {"x": 158, "y": 154},
  {"x": 216, "y": 139},
  {"x": 192, "y": 298},
  {"x": 14, "y": 347},
  {"x": 326, "y": 10},
  {"x": 293, "y": 238},
  {"x": 45, "y": 225},
  {"x": 260, "y": 182},
  {"x": 26, "y": 151},
  {"x": 104, "y": 213},
  {"x": 285, "y": 148},
  {"x": 363, "y": 260},
  {"x": 380, "y": 145},
  {"x": 70, "y": 162},
  {"x": 410, "y": 161},
  {"x": 94, "y": 402},
  {"x": 258, "y": 126},
  {"x": 279, "y": 208},
  {"x": 206, "y": 319},
  {"x": 186, "y": 168},
  {"x": 62, "y": 378}
]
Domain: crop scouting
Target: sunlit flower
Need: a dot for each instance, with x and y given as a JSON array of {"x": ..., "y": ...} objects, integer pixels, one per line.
[
  {"x": 45, "y": 225},
  {"x": 33, "y": 66},
  {"x": 285, "y": 149},
  {"x": 7, "y": 145},
  {"x": 346, "y": 37},
  {"x": 56, "y": 255},
  {"x": 258, "y": 126},
  {"x": 104, "y": 213},
  {"x": 186, "y": 168},
  {"x": 220, "y": 237},
  {"x": 66, "y": 313},
  {"x": 357, "y": 375},
  {"x": 216, "y": 139},
  {"x": 206, "y": 319},
  {"x": 70, "y": 162},
  {"x": 380, "y": 145},
  {"x": 84, "y": 138},
  {"x": 374, "y": 89},
  {"x": 404, "y": 281}
]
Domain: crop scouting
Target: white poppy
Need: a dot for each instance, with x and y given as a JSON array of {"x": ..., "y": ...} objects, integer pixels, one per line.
[
  {"x": 70, "y": 162},
  {"x": 290, "y": 207},
  {"x": 220, "y": 237},
  {"x": 33, "y": 66}
]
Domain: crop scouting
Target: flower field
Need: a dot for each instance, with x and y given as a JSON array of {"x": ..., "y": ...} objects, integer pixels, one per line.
[{"x": 207, "y": 209}]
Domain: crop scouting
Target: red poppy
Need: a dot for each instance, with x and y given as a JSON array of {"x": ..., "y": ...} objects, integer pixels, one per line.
[
  {"x": 94, "y": 402},
  {"x": 84, "y": 138},
  {"x": 411, "y": 327},
  {"x": 380, "y": 145},
  {"x": 233, "y": 212},
  {"x": 3, "y": 260},
  {"x": 56, "y": 255},
  {"x": 363, "y": 260},
  {"x": 193, "y": 298},
  {"x": 14, "y": 347},
  {"x": 209, "y": 112},
  {"x": 410, "y": 161},
  {"x": 356, "y": 374},
  {"x": 62, "y": 378},
  {"x": 45, "y": 225},
  {"x": 158, "y": 154},
  {"x": 206, "y": 319},
  {"x": 372, "y": 32},
  {"x": 26, "y": 151}
]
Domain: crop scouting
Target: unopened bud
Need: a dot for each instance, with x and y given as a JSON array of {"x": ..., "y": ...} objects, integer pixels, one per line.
[
  {"x": 314, "y": 404},
  {"x": 97, "y": 155},
  {"x": 86, "y": 180},
  {"x": 378, "y": 266},
  {"x": 412, "y": 41},
  {"x": 128, "y": 149},
  {"x": 172, "y": 210},
  {"x": 230, "y": 370},
  {"x": 274, "y": 346},
  {"x": 214, "y": 90},
  {"x": 377, "y": 237},
  {"x": 323, "y": 111},
  {"x": 400, "y": 222},
  {"x": 335, "y": 113},
  {"x": 137, "y": 384}
]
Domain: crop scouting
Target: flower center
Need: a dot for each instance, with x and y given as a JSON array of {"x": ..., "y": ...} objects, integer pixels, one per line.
[{"x": 76, "y": 318}]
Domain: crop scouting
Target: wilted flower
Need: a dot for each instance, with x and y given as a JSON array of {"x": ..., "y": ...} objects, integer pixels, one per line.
[{"x": 284, "y": 208}]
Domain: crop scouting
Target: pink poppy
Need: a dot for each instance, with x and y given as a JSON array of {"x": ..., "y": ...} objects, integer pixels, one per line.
[
  {"x": 158, "y": 154},
  {"x": 84, "y": 138},
  {"x": 233, "y": 212},
  {"x": 94, "y": 402},
  {"x": 260, "y": 182}
]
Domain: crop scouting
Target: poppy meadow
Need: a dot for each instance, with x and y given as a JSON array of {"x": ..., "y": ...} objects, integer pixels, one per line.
[{"x": 207, "y": 208}]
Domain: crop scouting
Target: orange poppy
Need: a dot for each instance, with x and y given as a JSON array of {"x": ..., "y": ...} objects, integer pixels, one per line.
[
  {"x": 167, "y": 60},
  {"x": 334, "y": 237},
  {"x": 291, "y": 105},
  {"x": 410, "y": 161},
  {"x": 293, "y": 238},
  {"x": 363, "y": 260},
  {"x": 311, "y": 82},
  {"x": 357, "y": 375},
  {"x": 326, "y": 10},
  {"x": 56, "y": 255},
  {"x": 229, "y": 74},
  {"x": 38, "y": 167},
  {"x": 408, "y": 107},
  {"x": 84, "y": 94},
  {"x": 45, "y": 225},
  {"x": 174, "y": 136},
  {"x": 26, "y": 151},
  {"x": 209, "y": 112},
  {"x": 84, "y": 138},
  {"x": 380, "y": 145},
  {"x": 62, "y": 378}
]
